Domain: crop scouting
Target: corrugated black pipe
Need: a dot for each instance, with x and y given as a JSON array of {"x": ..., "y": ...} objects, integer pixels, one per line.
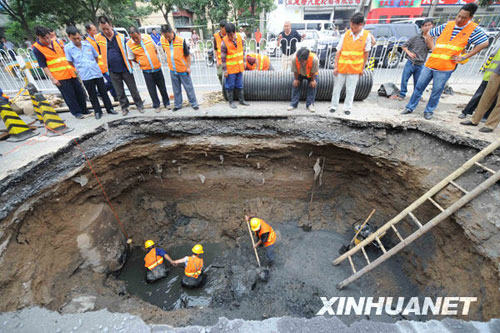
[{"x": 277, "y": 86}]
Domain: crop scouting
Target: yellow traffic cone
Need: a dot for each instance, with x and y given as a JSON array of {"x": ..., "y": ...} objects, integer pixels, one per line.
[
  {"x": 32, "y": 91},
  {"x": 51, "y": 119},
  {"x": 17, "y": 128}
]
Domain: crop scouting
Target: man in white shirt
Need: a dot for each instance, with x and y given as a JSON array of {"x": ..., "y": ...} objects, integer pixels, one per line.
[{"x": 350, "y": 60}]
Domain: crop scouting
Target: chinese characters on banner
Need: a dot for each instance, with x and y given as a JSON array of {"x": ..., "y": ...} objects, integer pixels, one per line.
[
  {"x": 321, "y": 2},
  {"x": 396, "y": 3}
]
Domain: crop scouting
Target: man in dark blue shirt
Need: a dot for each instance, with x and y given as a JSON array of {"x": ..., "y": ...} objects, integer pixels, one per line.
[
  {"x": 119, "y": 67},
  {"x": 288, "y": 40}
]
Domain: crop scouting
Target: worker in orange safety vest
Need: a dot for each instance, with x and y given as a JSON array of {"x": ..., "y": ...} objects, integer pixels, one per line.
[
  {"x": 142, "y": 50},
  {"x": 52, "y": 59},
  {"x": 233, "y": 64},
  {"x": 179, "y": 63},
  {"x": 154, "y": 262},
  {"x": 350, "y": 60},
  {"x": 265, "y": 234},
  {"x": 450, "y": 49},
  {"x": 259, "y": 62},
  {"x": 193, "y": 271},
  {"x": 217, "y": 42}
]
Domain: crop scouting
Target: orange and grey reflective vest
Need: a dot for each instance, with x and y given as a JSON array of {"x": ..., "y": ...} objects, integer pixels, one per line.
[
  {"x": 194, "y": 266},
  {"x": 262, "y": 62},
  {"x": 234, "y": 56},
  {"x": 151, "y": 260},
  {"x": 446, "y": 48},
  {"x": 56, "y": 60},
  {"x": 352, "y": 55},
  {"x": 309, "y": 64},
  {"x": 102, "y": 41},
  {"x": 177, "y": 61},
  {"x": 96, "y": 47},
  {"x": 218, "y": 43},
  {"x": 145, "y": 53},
  {"x": 266, "y": 228}
]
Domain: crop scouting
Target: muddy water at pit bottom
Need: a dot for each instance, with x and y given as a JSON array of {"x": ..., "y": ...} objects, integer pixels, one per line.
[{"x": 168, "y": 293}]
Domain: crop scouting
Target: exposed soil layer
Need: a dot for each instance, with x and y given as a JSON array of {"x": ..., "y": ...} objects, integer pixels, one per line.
[{"x": 191, "y": 181}]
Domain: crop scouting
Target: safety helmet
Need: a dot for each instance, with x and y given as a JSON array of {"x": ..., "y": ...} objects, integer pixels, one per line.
[
  {"x": 255, "y": 223},
  {"x": 198, "y": 249},
  {"x": 149, "y": 243}
]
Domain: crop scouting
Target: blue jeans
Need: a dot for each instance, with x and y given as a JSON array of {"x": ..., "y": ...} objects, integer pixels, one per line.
[
  {"x": 184, "y": 80},
  {"x": 409, "y": 70},
  {"x": 234, "y": 81},
  {"x": 296, "y": 91},
  {"x": 440, "y": 78}
]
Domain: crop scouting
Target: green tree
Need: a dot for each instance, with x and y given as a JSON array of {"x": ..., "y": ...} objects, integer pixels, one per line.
[
  {"x": 165, "y": 6},
  {"x": 209, "y": 10},
  {"x": 125, "y": 13},
  {"x": 20, "y": 11}
]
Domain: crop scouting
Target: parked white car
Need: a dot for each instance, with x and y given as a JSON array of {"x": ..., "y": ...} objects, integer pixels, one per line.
[{"x": 310, "y": 41}]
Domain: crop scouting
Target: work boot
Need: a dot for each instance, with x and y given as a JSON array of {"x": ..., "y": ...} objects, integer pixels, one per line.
[
  {"x": 230, "y": 99},
  {"x": 241, "y": 97}
]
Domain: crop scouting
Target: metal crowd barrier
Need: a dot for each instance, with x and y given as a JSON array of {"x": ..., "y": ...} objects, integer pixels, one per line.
[{"x": 386, "y": 62}]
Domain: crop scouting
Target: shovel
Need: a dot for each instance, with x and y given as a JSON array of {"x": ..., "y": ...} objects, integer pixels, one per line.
[
  {"x": 346, "y": 248},
  {"x": 262, "y": 272}
]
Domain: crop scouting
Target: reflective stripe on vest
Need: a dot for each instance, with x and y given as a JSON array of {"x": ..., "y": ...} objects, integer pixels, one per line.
[
  {"x": 194, "y": 267},
  {"x": 152, "y": 260},
  {"x": 308, "y": 65},
  {"x": 145, "y": 53},
  {"x": 352, "y": 54},
  {"x": 176, "y": 60},
  {"x": 261, "y": 61},
  {"x": 102, "y": 41},
  {"x": 446, "y": 48},
  {"x": 492, "y": 66},
  {"x": 234, "y": 56},
  {"x": 56, "y": 60},
  {"x": 96, "y": 47}
]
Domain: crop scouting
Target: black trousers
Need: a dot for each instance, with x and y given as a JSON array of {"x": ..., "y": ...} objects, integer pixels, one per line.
[
  {"x": 91, "y": 86},
  {"x": 74, "y": 96},
  {"x": 154, "y": 80},
  {"x": 118, "y": 79},
  {"x": 474, "y": 101}
]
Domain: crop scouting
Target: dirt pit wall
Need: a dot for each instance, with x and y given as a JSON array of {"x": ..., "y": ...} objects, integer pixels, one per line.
[{"x": 64, "y": 239}]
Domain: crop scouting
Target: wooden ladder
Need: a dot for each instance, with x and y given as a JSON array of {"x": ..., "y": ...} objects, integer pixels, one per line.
[{"x": 422, "y": 228}]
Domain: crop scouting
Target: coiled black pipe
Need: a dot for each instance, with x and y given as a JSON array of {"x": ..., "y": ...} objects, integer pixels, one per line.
[{"x": 277, "y": 86}]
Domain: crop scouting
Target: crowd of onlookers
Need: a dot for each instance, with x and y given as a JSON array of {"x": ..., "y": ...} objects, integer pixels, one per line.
[{"x": 103, "y": 61}]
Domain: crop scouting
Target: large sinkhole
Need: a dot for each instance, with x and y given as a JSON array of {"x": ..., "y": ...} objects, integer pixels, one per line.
[{"x": 192, "y": 189}]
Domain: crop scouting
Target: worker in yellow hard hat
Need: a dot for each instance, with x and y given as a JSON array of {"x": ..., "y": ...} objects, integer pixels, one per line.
[
  {"x": 153, "y": 261},
  {"x": 265, "y": 234},
  {"x": 193, "y": 272}
]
